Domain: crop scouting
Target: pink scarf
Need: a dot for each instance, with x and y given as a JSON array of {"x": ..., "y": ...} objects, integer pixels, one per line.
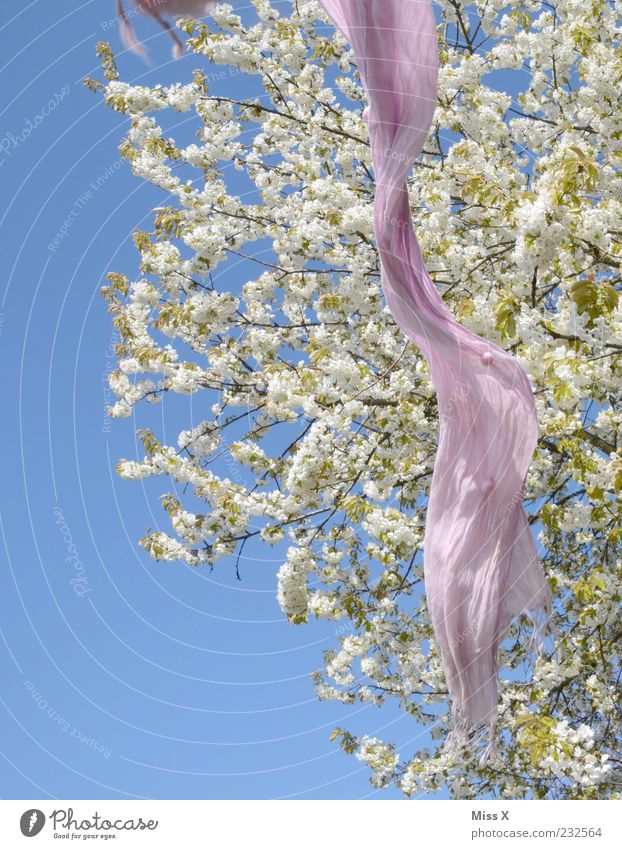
[
  {"x": 480, "y": 561},
  {"x": 158, "y": 8}
]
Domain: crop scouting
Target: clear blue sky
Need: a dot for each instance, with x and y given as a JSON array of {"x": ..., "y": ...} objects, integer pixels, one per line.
[{"x": 158, "y": 681}]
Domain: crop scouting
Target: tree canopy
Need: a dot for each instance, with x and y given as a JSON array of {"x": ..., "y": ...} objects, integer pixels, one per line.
[{"x": 326, "y": 419}]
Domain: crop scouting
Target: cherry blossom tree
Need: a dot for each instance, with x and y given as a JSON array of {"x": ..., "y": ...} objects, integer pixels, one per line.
[{"x": 327, "y": 420}]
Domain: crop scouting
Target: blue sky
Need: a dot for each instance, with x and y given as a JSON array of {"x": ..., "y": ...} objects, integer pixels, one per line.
[{"x": 122, "y": 677}]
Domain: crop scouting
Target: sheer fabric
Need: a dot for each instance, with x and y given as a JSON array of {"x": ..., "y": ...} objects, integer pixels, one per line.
[
  {"x": 480, "y": 561},
  {"x": 158, "y": 8}
]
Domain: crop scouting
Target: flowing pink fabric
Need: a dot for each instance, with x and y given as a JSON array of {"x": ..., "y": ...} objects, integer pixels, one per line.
[
  {"x": 480, "y": 561},
  {"x": 158, "y": 8}
]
